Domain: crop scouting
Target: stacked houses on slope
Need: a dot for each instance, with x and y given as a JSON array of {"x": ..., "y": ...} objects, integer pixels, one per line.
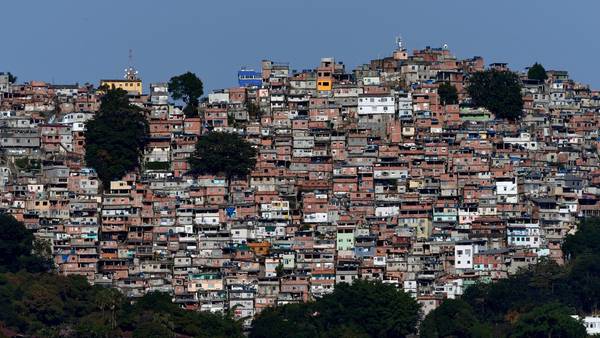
[{"x": 360, "y": 174}]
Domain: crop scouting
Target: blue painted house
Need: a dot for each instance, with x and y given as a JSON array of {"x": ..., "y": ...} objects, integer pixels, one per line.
[{"x": 249, "y": 78}]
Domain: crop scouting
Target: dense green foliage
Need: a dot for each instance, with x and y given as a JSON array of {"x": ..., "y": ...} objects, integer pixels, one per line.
[
  {"x": 585, "y": 241},
  {"x": 17, "y": 246},
  {"x": 447, "y": 93},
  {"x": 51, "y": 305},
  {"x": 548, "y": 321},
  {"x": 528, "y": 303},
  {"x": 157, "y": 165},
  {"x": 187, "y": 87},
  {"x": 497, "y": 91},
  {"x": 161, "y": 312},
  {"x": 254, "y": 111},
  {"x": 220, "y": 153},
  {"x": 537, "y": 72},
  {"x": 454, "y": 318},
  {"x": 11, "y": 78},
  {"x": 115, "y": 138},
  {"x": 26, "y": 163},
  {"x": 363, "y": 309}
]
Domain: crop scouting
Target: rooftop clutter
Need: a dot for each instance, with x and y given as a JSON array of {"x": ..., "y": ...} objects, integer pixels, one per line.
[{"x": 368, "y": 174}]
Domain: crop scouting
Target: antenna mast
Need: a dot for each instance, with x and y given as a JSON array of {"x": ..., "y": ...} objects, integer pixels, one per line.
[
  {"x": 399, "y": 42},
  {"x": 130, "y": 72}
]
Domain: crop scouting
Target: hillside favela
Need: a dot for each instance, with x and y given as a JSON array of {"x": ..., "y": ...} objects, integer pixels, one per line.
[{"x": 415, "y": 195}]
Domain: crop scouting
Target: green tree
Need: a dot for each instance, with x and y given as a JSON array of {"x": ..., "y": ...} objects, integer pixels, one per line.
[
  {"x": 109, "y": 301},
  {"x": 548, "y": 321},
  {"x": 47, "y": 304},
  {"x": 519, "y": 293},
  {"x": 584, "y": 281},
  {"x": 586, "y": 240},
  {"x": 187, "y": 87},
  {"x": 292, "y": 320},
  {"x": 17, "y": 246},
  {"x": 582, "y": 251},
  {"x": 152, "y": 329},
  {"x": 27, "y": 164},
  {"x": 115, "y": 138},
  {"x": 11, "y": 78},
  {"x": 220, "y": 153},
  {"x": 448, "y": 93},
  {"x": 158, "y": 308},
  {"x": 279, "y": 270},
  {"x": 537, "y": 72},
  {"x": 497, "y": 91},
  {"x": 253, "y": 109},
  {"x": 364, "y": 308},
  {"x": 454, "y": 318},
  {"x": 92, "y": 326}
]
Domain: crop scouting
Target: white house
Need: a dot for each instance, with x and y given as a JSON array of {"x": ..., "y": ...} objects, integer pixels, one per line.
[
  {"x": 591, "y": 323},
  {"x": 524, "y": 140},
  {"x": 463, "y": 255},
  {"x": 506, "y": 190},
  {"x": 369, "y": 104}
]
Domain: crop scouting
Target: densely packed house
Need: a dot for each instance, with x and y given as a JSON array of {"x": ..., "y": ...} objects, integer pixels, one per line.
[{"x": 359, "y": 175}]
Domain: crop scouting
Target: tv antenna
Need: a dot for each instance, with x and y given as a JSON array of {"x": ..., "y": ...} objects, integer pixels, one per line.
[
  {"x": 399, "y": 42},
  {"x": 130, "y": 72}
]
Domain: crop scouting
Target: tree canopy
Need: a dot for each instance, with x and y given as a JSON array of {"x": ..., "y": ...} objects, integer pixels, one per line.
[
  {"x": 254, "y": 111},
  {"x": 497, "y": 91},
  {"x": 447, "y": 93},
  {"x": 537, "y": 72},
  {"x": 11, "y": 78},
  {"x": 115, "y": 138},
  {"x": 511, "y": 307},
  {"x": 548, "y": 321},
  {"x": 363, "y": 309},
  {"x": 585, "y": 240},
  {"x": 453, "y": 318},
  {"x": 187, "y": 87},
  {"x": 17, "y": 247},
  {"x": 48, "y": 305},
  {"x": 220, "y": 153}
]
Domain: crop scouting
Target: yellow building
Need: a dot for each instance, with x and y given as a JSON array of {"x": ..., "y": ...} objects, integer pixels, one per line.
[
  {"x": 130, "y": 86},
  {"x": 131, "y": 83},
  {"x": 325, "y": 74},
  {"x": 324, "y": 83}
]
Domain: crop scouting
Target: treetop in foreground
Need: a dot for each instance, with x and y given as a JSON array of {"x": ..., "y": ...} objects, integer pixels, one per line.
[
  {"x": 363, "y": 309},
  {"x": 17, "y": 247}
]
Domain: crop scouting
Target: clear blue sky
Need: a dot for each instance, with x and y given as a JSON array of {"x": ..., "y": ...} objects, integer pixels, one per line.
[{"x": 69, "y": 41}]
